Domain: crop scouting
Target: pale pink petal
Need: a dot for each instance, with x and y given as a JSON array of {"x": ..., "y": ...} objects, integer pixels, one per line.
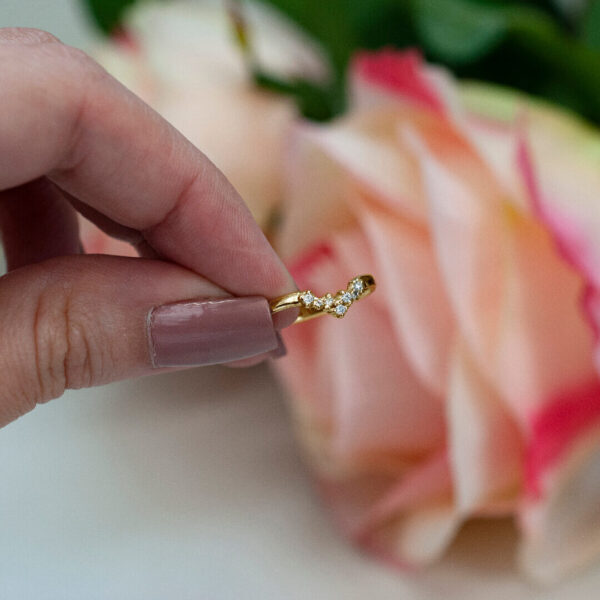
[
  {"x": 410, "y": 278},
  {"x": 561, "y": 527},
  {"x": 514, "y": 296},
  {"x": 347, "y": 160},
  {"x": 309, "y": 345},
  {"x": 426, "y": 532},
  {"x": 496, "y": 143},
  {"x": 468, "y": 235},
  {"x": 572, "y": 228},
  {"x": 368, "y": 150},
  {"x": 545, "y": 346},
  {"x": 381, "y": 408},
  {"x": 408, "y": 521},
  {"x": 485, "y": 444},
  {"x": 430, "y": 480},
  {"x": 315, "y": 205},
  {"x": 564, "y": 182}
]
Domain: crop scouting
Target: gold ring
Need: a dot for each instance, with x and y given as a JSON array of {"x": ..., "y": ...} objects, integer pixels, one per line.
[{"x": 312, "y": 306}]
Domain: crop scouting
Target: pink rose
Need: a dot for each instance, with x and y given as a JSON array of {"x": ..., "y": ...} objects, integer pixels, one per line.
[{"x": 467, "y": 385}]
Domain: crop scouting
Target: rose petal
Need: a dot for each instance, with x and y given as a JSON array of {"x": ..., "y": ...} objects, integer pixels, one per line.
[
  {"x": 388, "y": 75},
  {"x": 410, "y": 279},
  {"x": 562, "y": 527},
  {"x": 468, "y": 235},
  {"x": 514, "y": 296},
  {"x": 369, "y": 152},
  {"x": 485, "y": 443},
  {"x": 408, "y": 522},
  {"x": 381, "y": 408}
]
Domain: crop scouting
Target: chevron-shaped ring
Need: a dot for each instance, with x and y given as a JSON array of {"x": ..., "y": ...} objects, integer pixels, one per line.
[{"x": 310, "y": 305}]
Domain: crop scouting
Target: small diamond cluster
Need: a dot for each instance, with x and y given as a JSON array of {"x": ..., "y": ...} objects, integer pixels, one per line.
[{"x": 335, "y": 305}]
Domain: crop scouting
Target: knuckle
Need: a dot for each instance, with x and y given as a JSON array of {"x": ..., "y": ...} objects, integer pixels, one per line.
[
  {"x": 79, "y": 59},
  {"x": 72, "y": 63},
  {"x": 66, "y": 354}
]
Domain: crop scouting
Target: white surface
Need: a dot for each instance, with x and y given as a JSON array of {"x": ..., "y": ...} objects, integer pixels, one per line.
[{"x": 188, "y": 486}]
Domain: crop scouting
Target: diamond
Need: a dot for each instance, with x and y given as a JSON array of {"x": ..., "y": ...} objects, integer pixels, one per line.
[
  {"x": 328, "y": 301},
  {"x": 318, "y": 303},
  {"x": 358, "y": 286},
  {"x": 346, "y": 298},
  {"x": 340, "y": 310},
  {"x": 307, "y": 298}
]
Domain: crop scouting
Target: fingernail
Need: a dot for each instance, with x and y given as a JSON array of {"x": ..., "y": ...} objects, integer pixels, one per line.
[
  {"x": 285, "y": 318},
  {"x": 209, "y": 332},
  {"x": 281, "y": 350}
]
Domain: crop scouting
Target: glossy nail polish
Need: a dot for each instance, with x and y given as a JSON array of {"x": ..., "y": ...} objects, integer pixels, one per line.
[{"x": 207, "y": 332}]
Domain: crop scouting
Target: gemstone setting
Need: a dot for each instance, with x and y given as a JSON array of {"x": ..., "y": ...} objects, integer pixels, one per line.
[
  {"x": 346, "y": 298},
  {"x": 335, "y": 304},
  {"x": 340, "y": 310},
  {"x": 307, "y": 298}
]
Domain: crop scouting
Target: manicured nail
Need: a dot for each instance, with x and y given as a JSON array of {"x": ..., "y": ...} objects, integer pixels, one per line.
[
  {"x": 209, "y": 332},
  {"x": 281, "y": 350}
]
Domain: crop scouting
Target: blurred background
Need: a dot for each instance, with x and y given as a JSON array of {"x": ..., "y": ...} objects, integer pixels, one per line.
[{"x": 190, "y": 485}]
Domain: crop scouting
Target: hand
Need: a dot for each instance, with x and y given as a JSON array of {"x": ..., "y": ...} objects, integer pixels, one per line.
[{"x": 71, "y": 137}]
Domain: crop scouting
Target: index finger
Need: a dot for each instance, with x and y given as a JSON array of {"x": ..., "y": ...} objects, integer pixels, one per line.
[{"x": 63, "y": 116}]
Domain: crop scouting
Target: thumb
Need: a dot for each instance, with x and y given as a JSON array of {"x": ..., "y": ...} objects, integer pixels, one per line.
[{"x": 80, "y": 321}]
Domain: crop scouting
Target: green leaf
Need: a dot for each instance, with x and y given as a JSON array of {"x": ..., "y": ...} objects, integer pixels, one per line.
[
  {"x": 328, "y": 21},
  {"x": 459, "y": 31},
  {"x": 590, "y": 25},
  {"x": 107, "y": 14},
  {"x": 315, "y": 102}
]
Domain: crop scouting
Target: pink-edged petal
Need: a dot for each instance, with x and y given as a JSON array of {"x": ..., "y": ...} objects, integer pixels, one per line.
[
  {"x": 407, "y": 521},
  {"x": 515, "y": 298},
  {"x": 545, "y": 346},
  {"x": 410, "y": 279},
  {"x": 572, "y": 228},
  {"x": 561, "y": 527},
  {"x": 485, "y": 443},
  {"x": 392, "y": 76},
  {"x": 553, "y": 429},
  {"x": 563, "y": 180},
  {"x": 591, "y": 307}
]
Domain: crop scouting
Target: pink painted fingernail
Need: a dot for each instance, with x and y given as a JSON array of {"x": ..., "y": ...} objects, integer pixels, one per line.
[
  {"x": 281, "y": 350},
  {"x": 209, "y": 332}
]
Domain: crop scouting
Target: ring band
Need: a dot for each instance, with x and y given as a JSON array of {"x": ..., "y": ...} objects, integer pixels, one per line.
[{"x": 312, "y": 306}]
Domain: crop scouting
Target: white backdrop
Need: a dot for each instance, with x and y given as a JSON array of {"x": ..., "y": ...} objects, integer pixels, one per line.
[{"x": 189, "y": 486}]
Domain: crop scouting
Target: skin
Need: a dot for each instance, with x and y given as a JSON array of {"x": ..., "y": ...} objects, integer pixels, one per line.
[{"x": 73, "y": 139}]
